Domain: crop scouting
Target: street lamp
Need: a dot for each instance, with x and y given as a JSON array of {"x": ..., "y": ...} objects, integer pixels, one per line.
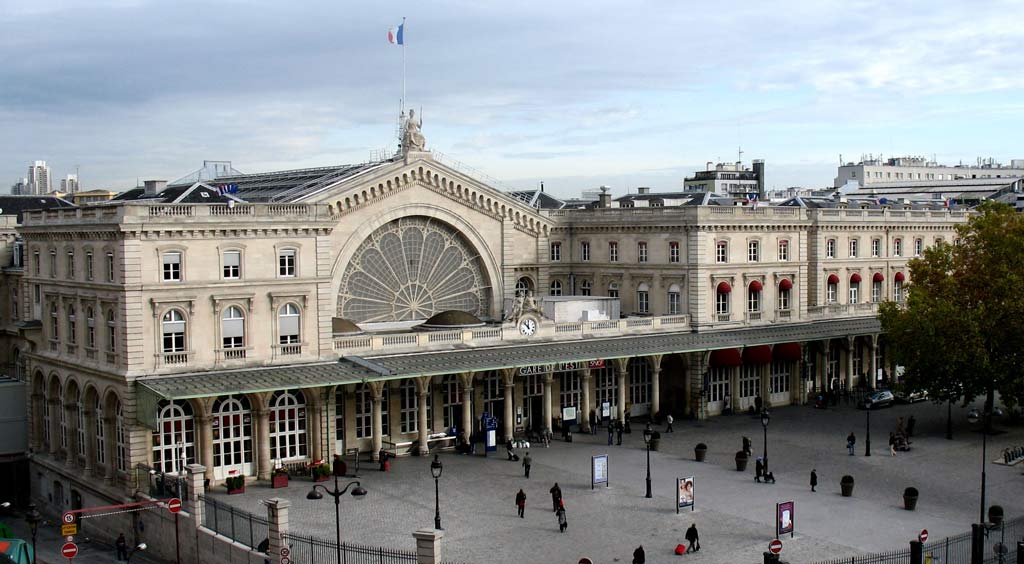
[
  {"x": 867, "y": 440},
  {"x": 32, "y": 518},
  {"x": 138, "y": 547},
  {"x": 435, "y": 471},
  {"x": 765, "y": 418},
  {"x": 986, "y": 419},
  {"x": 647, "y": 441},
  {"x": 336, "y": 493}
]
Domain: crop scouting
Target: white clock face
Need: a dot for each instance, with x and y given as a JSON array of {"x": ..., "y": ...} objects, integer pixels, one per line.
[{"x": 528, "y": 327}]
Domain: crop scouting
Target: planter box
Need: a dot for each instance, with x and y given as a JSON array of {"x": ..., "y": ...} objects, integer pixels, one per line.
[
  {"x": 321, "y": 478},
  {"x": 741, "y": 463},
  {"x": 240, "y": 490},
  {"x": 701, "y": 454},
  {"x": 279, "y": 481},
  {"x": 909, "y": 502},
  {"x": 847, "y": 489}
]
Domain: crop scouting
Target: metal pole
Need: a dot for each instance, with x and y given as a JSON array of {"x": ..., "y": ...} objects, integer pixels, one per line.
[
  {"x": 337, "y": 517},
  {"x": 765, "y": 449},
  {"x": 867, "y": 441},
  {"x": 648, "y": 469},
  {"x": 177, "y": 541},
  {"x": 984, "y": 445},
  {"x": 437, "y": 506}
]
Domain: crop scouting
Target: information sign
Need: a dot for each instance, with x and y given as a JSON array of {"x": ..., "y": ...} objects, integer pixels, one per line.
[
  {"x": 68, "y": 529},
  {"x": 599, "y": 470},
  {"x": 784, "y": 518},
  {"x": 684, "y": 493}
]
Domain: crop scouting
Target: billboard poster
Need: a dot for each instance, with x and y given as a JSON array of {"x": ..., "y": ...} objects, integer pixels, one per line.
[
  {"x": 599, "y": 470},
  {"x": 784, "y": 518},
  {"x": 569, "y": 415},
  {"x": 684, "y": 493}
]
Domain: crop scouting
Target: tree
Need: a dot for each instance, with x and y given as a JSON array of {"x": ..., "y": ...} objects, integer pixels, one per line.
[{"x": 959, "y": 334}]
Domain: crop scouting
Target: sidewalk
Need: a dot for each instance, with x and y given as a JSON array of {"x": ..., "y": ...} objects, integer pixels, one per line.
[{"x": 49, "y": 543}]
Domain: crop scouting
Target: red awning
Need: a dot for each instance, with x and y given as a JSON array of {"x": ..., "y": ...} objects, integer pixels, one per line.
[
  {"x": 898, "y": 277},
  {"x": 726, "y": 357},
  {"x": 833, "y": 279},
  {"x": 787, "y": 352},
  {"x": 759, "y": 354},
  {"x": 755, "y": 286},
  {"x": 855, "y": 278},
  {"x": 878, "y": 277},
  {"x": 785, "y": 284},
  {"x": 724, "y": 288}
]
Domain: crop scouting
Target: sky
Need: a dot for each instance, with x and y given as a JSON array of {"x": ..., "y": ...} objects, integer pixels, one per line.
[{"x": 574, "y": 94}]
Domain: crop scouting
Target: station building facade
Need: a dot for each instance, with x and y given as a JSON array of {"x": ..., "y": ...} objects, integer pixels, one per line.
[{"x": 282, "y": 326}]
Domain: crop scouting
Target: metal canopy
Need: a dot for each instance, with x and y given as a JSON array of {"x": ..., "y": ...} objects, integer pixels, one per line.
[{"x": 388, "y": 367}]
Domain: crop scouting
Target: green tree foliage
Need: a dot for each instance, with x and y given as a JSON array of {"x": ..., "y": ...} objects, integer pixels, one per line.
[{"x": 959, "y": 335}]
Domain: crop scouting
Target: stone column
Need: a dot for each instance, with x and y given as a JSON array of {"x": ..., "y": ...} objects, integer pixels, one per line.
[
  {"x": 206, "y": 444},
  {"x": 90, "y": 442},
  {"x": 766, "y": 385},
  {"x": 37, "y": 421},
  {"x": 313, "y": 413},
  {"x": 277, "y": 515},
  {"x": 586, "y": 378},
  {"x": 71, "y": 417},
  {"x": 508, "y": 376},
  {"x": 422, "y": 393},
  {"x": 734, "y": 388},
  {"x": 376, "y": 420},
  {"x": 850, "y": 349},
  {"x": 193, "y": 504},
  {"x": 466, "y": 379},
  {"x": 655, "y": 385},
  {"x": 621, "y": 364},
  {"x": 547, "y": 401},
  {"x": 264, "y": 465},
  {"x": 110, "y": 431},
  {"x": 428, "y": 546},
  {"x": 873, "y": 377},
  {"x": 823, "y": 367}
]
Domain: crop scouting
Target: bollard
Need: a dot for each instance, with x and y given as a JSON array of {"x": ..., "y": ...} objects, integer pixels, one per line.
[
  {"x": 1020, "y": 552},
  {"x": 977, "y": 543},
  {"x": 770, "y": 558},
  {"x": 916, "y": 552}
]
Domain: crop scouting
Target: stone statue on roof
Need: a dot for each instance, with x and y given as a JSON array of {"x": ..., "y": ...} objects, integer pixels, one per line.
[{"x": 412, "y": 137}]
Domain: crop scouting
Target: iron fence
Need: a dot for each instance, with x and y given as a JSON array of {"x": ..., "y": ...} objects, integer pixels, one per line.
[
  {"x": 951, "y": 550},
  {"x": 160, "y": 485},
  {"x": 238, "y": 525},
  {"x": 311, "y": 550}
]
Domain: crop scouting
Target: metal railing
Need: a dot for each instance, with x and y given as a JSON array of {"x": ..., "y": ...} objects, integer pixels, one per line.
[
  {"x": 160, "y": 485},
  {"x": 951, "y": 550},
  {"x": 312, "y": 550},
  {"x": 238, "y": 525}
]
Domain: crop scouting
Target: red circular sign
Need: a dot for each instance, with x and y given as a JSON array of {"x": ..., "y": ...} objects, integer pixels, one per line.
[
  {"x": 923, "y": 537},
  {"x": 775, "y": 546},
  {"x": 69, "y": 550},
  {"x": 174, "y": 505}
]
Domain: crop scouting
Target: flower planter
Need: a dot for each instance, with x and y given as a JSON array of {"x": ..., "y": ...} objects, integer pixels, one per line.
[
  {"x": 235, "y": 485},
  {"x": 279, "y": 481},
  {"x": 321, "y": 478},
  {"x": 995, "y": 514},
  {"x": 235, "y": 491},
  {"x": 741, "y": 461},
  {"x": 700, "y": 452},
  {"x": 910, "y": 499},
  {"x": 846, "y": 486}
]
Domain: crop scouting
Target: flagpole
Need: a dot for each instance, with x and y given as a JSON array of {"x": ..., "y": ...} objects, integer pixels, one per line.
[{"x": 403, "y": 66}]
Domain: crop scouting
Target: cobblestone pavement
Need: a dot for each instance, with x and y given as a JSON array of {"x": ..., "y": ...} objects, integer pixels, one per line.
[{"x": 735, "y": 516}]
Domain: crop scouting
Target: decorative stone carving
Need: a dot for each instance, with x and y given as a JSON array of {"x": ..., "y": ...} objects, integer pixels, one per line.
[{"x": 412, "y": 137}]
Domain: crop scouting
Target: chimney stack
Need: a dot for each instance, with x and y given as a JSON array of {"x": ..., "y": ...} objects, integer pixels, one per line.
[
  {"x": 605, "y": 199},
  {"x": 644, "y": 189},
  {"x": 154, "y": 187}
]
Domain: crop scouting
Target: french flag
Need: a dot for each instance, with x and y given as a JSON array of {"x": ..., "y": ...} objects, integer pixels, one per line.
[{"x": 395, "y": 35}]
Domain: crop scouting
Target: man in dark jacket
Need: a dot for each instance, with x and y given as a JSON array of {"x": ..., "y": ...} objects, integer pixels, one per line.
[
  {"x": 618, "y": 432},
  {"x": 556, "y": 496},
  {"x": 814, "y": 479},
  {"x": 639, "y": 557},
  {"x": 527, "y": 462},
  {"x": 693, "y": 538},
  {"x": 521, "y": 502}
]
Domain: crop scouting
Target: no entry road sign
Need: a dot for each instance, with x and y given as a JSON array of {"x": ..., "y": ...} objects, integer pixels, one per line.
[
  {"x": 69, "y": 550},
  {"x": 775, "y": 546},
  {"x": 923, "y": 536},
  {"x": 174, "y": 505}
]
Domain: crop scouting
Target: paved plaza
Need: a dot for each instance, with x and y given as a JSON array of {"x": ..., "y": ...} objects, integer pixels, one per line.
[{"x": 735, "y": 516}]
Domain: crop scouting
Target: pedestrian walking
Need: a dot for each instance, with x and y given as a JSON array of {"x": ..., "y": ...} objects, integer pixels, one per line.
[
  {"x": 758, "y": 469},
  {"x": 618, "y": 432},
  {"x": 510, "y": 450},
  {"x": 527, "y": 462},
  {"x": 593, "y": 421},
  {"x": 122, "y": 547},
  {"x": 892, "y": 444},
  {"x": 850, "y": 441},
  {"x": 814, "y": 479},
  {"x": 521, "y": 502},
  {"x": 693, "y": 538},
  {"x": 556, "y": 496},
  {"x": 669, "y": 421},
  {"x": 746, "y": 446},
  {"x": 562, "y": 523},
  {"x": 639, "y": 556}
]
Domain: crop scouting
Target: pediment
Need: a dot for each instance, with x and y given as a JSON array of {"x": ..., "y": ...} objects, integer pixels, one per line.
[{"x": 420, "y": 170}]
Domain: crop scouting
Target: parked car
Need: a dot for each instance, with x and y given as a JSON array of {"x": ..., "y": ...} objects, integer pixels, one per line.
[
  {"x": 911, "y": 397},
  {"x": 881, "y": 398}
]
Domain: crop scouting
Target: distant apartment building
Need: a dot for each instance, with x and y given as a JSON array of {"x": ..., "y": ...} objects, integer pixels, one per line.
[
  {"x": 20, "y": 187},
  {"x": 871, "y": 170},
  {"x": 69, "y": 184},
  {"x": 728, "y": 179},
  {"x": 39, "y": 178}
]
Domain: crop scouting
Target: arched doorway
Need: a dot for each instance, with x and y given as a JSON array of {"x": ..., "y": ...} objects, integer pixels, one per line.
[
  {"x": 174, "y": 441},
  {"x": 639, "y": 387},
  {"x": 232, "y": 436},
  {"x": 288, "y": 425}
]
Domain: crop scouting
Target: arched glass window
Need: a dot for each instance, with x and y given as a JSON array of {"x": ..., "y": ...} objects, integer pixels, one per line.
[
  {"x": 101, "y": 433},
  {"x": 46, "y": 419},
  {"x": 451, "y": 387},
  {"x": 175, "y": 436},
  {"x": 673, "y": 300},
  {"x": 90, "y": 328},
  {"x": 54, "y": 323},
  {"x": 111, "y": 332},
  {"x": 754, "y": 296},
  {"x": 640, "y": 386},
  {"x": 722, "y": 298},
  {"x": 643, "y": 298},
  {"x": 80, "y": 428},
  {"x": 288, "y": 319},
  {"x": 232, "y": 442},
  {"x": 586, "y": 288},
  {"x": 173, "y": 331},
  {"x": 523, "y": 285},
  {"x": 72, "y": 325},
  {"x": 121, "y": 452},
  {"x": 287, "y": 425},
  {"x": 556, "y": 288},
  {"x": 613, "y": 290},
  {"x": 233, "y": 328},
  {"x": 364, "y": 411},
  {"x": 410, "y": 422}
]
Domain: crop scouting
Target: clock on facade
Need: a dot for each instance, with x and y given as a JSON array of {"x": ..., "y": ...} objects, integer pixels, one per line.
[{"x": 527, "y": 325}]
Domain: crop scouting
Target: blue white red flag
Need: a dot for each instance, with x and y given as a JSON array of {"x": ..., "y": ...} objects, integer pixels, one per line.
[{"x": 396, "y": 35}]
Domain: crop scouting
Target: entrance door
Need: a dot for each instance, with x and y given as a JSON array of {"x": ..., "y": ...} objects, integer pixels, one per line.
[
  {"x": 718, "y": 389},
  {"x": 750, "y": 385},
  {"x": 232, "y": 437}
]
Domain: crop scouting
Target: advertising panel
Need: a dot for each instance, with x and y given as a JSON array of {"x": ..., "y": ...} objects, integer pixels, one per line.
[
  {"x": 684, "y": 493},
  {"x": 598, "y": 470},
  {"x": 784, "y": 518}
]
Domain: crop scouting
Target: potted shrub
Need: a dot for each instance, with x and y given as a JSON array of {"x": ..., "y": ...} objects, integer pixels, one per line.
[
  {"x": 700, "y": 451},
  {"x": 235, "y": 484},
  {"x": 741, "y": 461},
  {"x": 655, "y": 440},
  {"x": 910, "y": 498},
  {"x": 279, "y": 478},
  {"x": 321, "y": 472},
  {"x": 995, "y": 514},
  {"x": 846, "y": 484}
]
